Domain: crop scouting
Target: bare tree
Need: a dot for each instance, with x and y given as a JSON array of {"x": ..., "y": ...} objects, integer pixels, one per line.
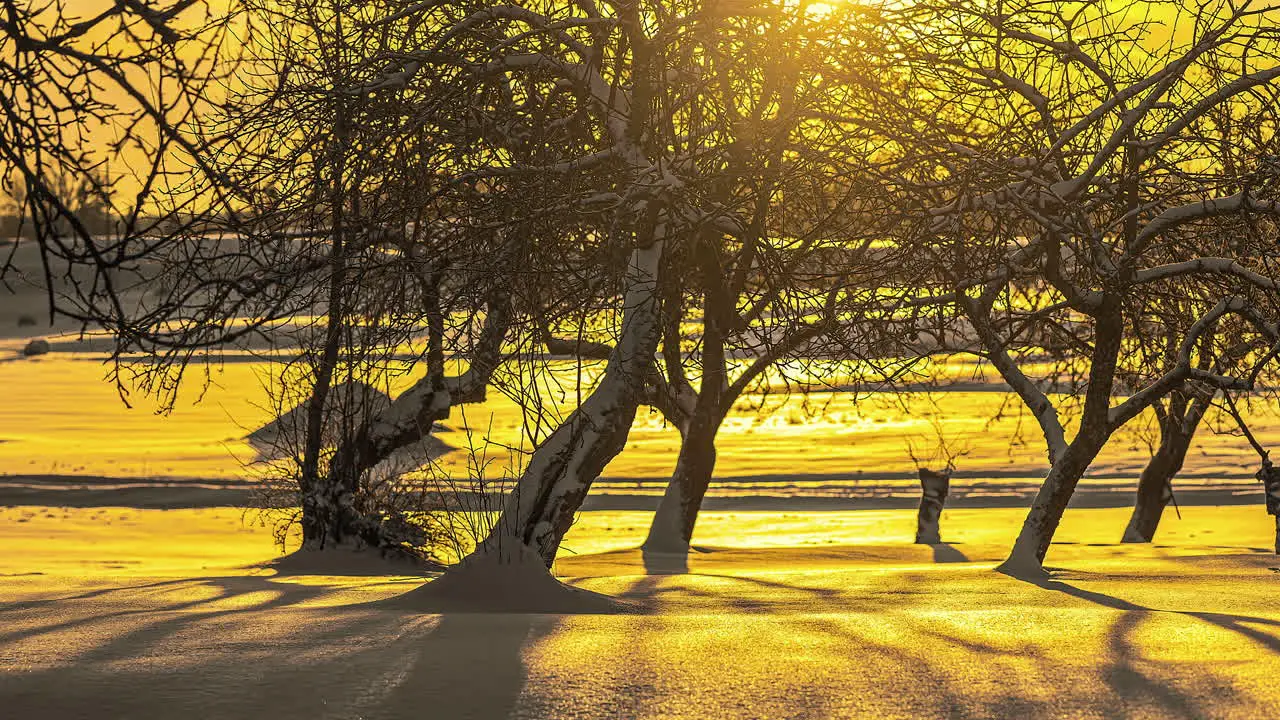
[
  {"x": 95, "y": 110},
  {"x": 533, "y": 132},
  {"x": 1062, "y": 187},
  {"x": 780, "y": 278},
  {"x": 1242, "y": 139},
  {"x": 368, "y": 211},
  {"x": 650, "y": 135}
]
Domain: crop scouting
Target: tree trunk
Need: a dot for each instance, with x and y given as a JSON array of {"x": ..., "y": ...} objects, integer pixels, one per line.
[
  {"x": 1027, "y": 557},
  {"x": 1270, "y": 477},
  {"x": 672, "y": 527},
  {"x": 320, "y": 517},
  {"x": 1155, "y": 487},
  {"x": 330, "y": 515},
  {"x": 1154, "y": 493},
  {"x": 331, "y": 507},
  {"x": 411, "y": 416},
  {"x": 934, "y": 487},
  {"x": 541, "y": 508}
]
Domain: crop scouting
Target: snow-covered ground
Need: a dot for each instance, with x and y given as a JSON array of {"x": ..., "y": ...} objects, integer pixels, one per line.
[{"x": 114, "y": 613}]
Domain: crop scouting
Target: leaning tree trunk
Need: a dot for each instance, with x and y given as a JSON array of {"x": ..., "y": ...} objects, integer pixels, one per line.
[
  {"x": 1027, "y": 557},
  {"x": 330, "y": 503},
  {"x": 332, "y": 506},
  {"x": 542, "y": 506},
  {"x": 672, "y": 528},
  {"x": 1154, "y": 493},
  {"x": 1155, "y": 487}
]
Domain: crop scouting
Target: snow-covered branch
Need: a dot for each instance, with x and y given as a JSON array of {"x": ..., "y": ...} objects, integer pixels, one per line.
[
  {"x": 1207, "y": 266},
  {"x": 1184, "y": 368},
  {"x": 1210, "y": 207},
  {"x": 996, "y": 350}
]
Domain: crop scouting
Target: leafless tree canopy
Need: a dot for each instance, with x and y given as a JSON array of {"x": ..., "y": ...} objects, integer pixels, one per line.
[
  {"x": 96, "y": 103},
  {"x": 694, "y": 198}
]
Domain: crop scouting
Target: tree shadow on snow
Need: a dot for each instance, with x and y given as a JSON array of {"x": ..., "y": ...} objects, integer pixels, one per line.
[
  {"x": 243, "y": 647},
  {"x": 1132, "y": 675},
  {"x": 947, "y": 553}
]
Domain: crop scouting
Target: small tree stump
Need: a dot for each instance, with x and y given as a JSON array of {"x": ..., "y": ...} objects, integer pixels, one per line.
[{"x": 934, "y": 486}]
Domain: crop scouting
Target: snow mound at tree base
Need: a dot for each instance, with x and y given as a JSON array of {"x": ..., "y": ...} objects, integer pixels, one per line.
[
  {"x": 1023, "y": 566},
  {"x": 347, "y": 560},
  {"x": 506, "y": 582}
]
